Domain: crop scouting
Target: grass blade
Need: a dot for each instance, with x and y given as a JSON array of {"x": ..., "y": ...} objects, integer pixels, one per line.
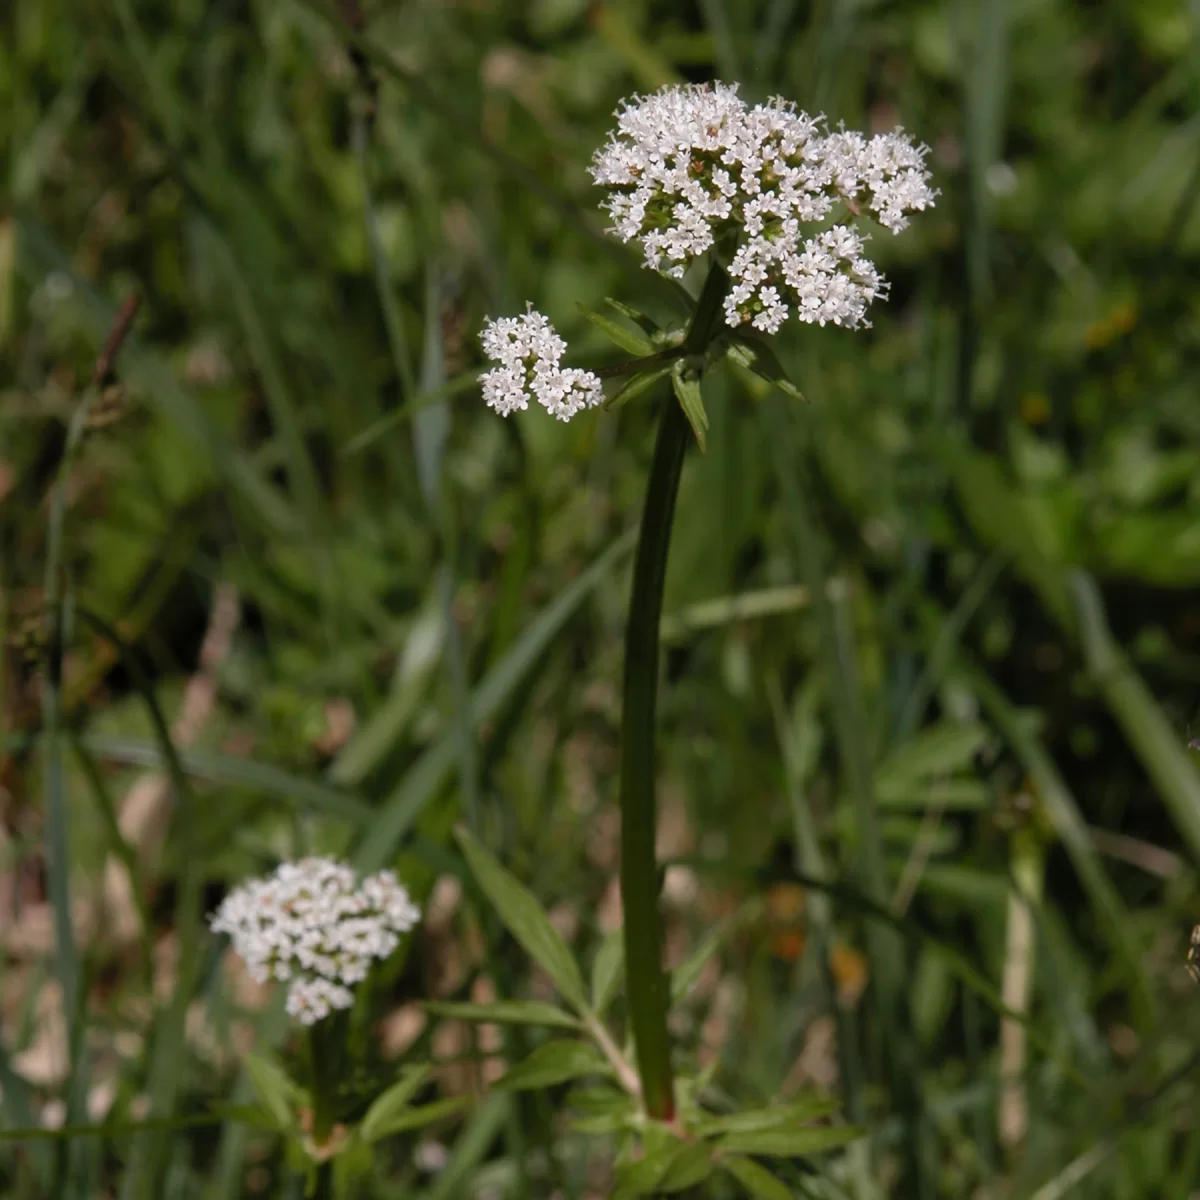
[{"x": 420, "y": 784}]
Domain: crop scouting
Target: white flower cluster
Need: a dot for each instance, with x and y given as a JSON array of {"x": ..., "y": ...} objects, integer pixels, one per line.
[
  {"x": 693, "y": 167},
  {"x": 529, "y": 351},
  {"x": 314, "y": 925}
]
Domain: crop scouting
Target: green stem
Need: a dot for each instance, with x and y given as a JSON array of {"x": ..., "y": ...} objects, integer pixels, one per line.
[{"x": 647, "y": 982}]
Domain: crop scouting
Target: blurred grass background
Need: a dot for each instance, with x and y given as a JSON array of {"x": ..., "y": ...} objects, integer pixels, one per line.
[{"x": 943, "y": 620}]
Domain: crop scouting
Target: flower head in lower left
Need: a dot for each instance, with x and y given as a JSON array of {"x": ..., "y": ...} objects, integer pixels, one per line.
[{"x": 317, "y": 927}]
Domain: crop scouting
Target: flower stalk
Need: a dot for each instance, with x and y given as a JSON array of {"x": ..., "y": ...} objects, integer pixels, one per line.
[{"x": 646, "y": 979}]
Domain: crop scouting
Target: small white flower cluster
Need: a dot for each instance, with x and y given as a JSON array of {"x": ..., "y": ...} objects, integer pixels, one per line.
[
  {"x": 315, "y": 926},
  {"x": 693, "y": 167},
  {"x": 529, "y": 351}
]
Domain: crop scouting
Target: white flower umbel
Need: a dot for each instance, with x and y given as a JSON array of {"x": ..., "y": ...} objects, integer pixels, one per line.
[
  {"x": 316, "y": 926},
  {"x": 692, "y": 168},
  {"x": 529, "y": 353}
]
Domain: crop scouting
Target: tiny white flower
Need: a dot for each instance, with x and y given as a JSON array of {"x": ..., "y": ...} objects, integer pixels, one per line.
[
  {"x": 529, "y": 353},
  {"x": 690, "y": 167},
  {"x": 315, "y": 926}
]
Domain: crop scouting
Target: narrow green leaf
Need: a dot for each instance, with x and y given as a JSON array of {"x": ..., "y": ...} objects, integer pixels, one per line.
[
  {"x": 554, "y": 1062},
  {"x": 941, "y": 749},
  {"x": 607, "y": 969},
  {"x": 642, "y": 1178},
  {"x": 635, "y": 386},
  {"x": 628, "y": 339},
  {"x": 505, "y": 1012},
  {"x": 757, "y": 356},
  {"x": 274, "y": 1089},
  {"x": 393, "y": 1101},
  {"x": 690, "y": 1167},
  {"x": 471, "y": 1144},
  {"x": 297, "y": 790},
  {"x": 757, "y": 1119},
  {"x": 648, "y": 325},
  {"x": 756, "y": 1179},
  {"x": 599, "y": 1124},
  {"x": 687, "y": 391},
  {"x": 404, "y": 1119},
  {"x": 951, "y": 795},
  {"x": 525, "y": 919},
  {"x": 790, "y": 1143},
  {"x": 688, "y": 971},
  {"x": 1146, "y": 727}
]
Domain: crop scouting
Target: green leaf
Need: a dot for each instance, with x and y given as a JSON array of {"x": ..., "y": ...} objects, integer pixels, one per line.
[
  {"x": 756, "y": 1179},
  {"x": 627, "y": 339},
  {"x": 417, "y": 1118},
  {"x": 643, "y": 1177},
  {"x": 688, "y": 971},
  {"x": 253, "y": 1115},
  {"x": 393, "y": 1102},
  {"x": 691, "y": 1166},
  {"x": 274, "y": 1089},
  {"x": 505, "y": 1012},
  {"x": 635, "y": 386},
  {"x": 757, "y": 1119},
  {"x": 288, "y": 787},
  {"x": 951, "y": 795},
  {"x": 600, "y": 1110},
  {"x": 687, "y": 391},
  {"x": 647, "y": 325},
  {"x": 757, "y": 356},
  {"x": 942, "y": 749},
  {"x": 554, "y": 1062},
  {"x": 790, "y": 1143},
  {"x": 607, "y": 969},
  {"x": 525, "y": 919}
]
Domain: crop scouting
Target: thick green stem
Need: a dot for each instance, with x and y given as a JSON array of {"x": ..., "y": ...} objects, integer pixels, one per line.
[{"x": 647, "y": 983}]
